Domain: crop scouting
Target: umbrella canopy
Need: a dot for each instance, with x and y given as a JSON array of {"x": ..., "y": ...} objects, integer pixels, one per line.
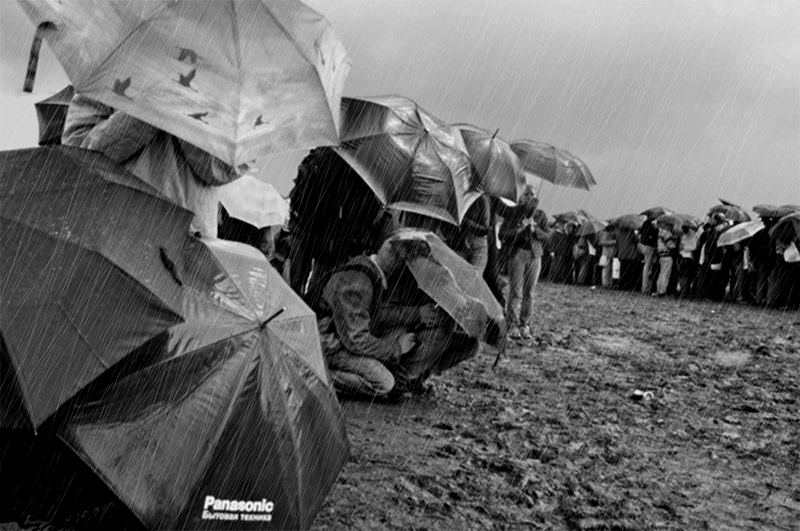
[
  {"x": 590, "y": 225},
  {"x": 253, "y": 201},
  {"x": 656, "y": 212},
  {"x": 86, "y": 256},
  {"x": 693, "y": 222},
  {"x": 498, "y": 167},
  {"x": 52, "y": 112},
  {"x": 458, "y": 289},
  {"x": 411, "y": 160},
  {"x": 239, "y": 79},
  {"x": 628, "y": 221},
  {"x": 728, "y": 203},
  {"x": 787, "y": 229},
  {"x": 740, "y": 232},
  {"x": 225, "y": 421},
  {"x": 733, "y": 213},
  {"x": 568, "y": 217},
  {"x": 553, "y": 165},
  {"x": 773, "y": 211},
  {"x": 671, "y": 222}
]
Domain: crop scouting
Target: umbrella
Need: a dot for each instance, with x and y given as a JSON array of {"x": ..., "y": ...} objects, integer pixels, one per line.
[
  {"x": 86, "y": 256},
  {"x": 254, "y": 201},
  {"x": 411, "y": 160},
  {"x": 656, "y": 212},
  {"x": 787, "y": 229},
  {"x": 569, "y": 217},
  {"x": 728, "y": 203},
  {"x": 458, "y": 289},
  {"x": 52, "y": 112},
  {"x": 498, "y": 167},
  {"x": 239, "y": 79},
  {"x": 628, "y": 221},
  {"x": 553, "y": 165},
  {"x": 693, "y": 222},
  {"x": 740, "y": 232},
  {"x": 672, "y": 222},
  {"x": 733, "y": 213},
  {"x": 227, "y": 420},
  {"x": 590, "y": 225},
  {"x": 772, "y": 211}
]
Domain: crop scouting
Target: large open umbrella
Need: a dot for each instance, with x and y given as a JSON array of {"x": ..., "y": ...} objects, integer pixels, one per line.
[
  {"x": 553, "y": 165},
  {"x": 498, "y": 167},
  {"x": 237, "y": 78},
  {"x": 774, "y": 211},
  {"x": 787, "y": 229},
  {"x": 411, "y": 160},
  {"x": 52, "y": 112},
  {"x": 656, "y": 212},
  {"x": 226, "y": 421},
  {"x": 86, "y": 273},
  {"x": 254, "y": 201},
  {"x": 690, "y": 221},
  {"x": 628, "y": 221},
  {"x": 740, "y": 232},
  {"x": 732, "y": 213}
]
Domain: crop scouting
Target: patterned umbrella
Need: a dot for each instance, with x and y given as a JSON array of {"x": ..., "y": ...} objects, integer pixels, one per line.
[{"x": 239, "y": 79}]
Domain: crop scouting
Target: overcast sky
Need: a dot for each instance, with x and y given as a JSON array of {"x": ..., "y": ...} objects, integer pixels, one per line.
[{"x": 672, "y": 103}]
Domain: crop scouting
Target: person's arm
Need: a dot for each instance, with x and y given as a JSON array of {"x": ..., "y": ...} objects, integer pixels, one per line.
[
  {"x": 92, "y": 125},
  {"x": 208, "y": 168},
  {"x": 349, "y": 295},
  {"x": 396, "y": 315}
]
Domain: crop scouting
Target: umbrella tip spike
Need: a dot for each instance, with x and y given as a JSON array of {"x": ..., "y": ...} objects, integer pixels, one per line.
[
  {"x": 495, "y": 133},
  {"x": 271, "y": 317}
]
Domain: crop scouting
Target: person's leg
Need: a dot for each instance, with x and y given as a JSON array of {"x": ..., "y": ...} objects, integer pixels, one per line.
[
  {"x": 516, "y": 272},
  {"x": 665, "y": 271},
  {"x": 479, "y": 254},
  {"x": 528, "y": 287},
  {"x": 359, "y": 375},
  {"x": 647, "y": 255}
]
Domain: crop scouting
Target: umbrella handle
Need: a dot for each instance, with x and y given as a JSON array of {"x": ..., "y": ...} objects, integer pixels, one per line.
[{"x": 33, "y": 58}]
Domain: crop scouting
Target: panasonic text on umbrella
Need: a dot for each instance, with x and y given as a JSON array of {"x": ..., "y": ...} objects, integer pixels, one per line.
[{"x": 246, "y": 510}]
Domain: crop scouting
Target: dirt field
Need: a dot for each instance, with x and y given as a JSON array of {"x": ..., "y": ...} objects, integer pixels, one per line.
[
  {"x": 624, "y": 412},
  {"x": 559, "y": 438}
]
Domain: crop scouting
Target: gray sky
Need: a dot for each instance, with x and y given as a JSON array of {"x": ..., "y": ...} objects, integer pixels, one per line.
[{"x": 672, "y": 103}]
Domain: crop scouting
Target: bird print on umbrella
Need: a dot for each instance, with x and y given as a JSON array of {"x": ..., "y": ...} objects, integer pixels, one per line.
[
  {"x": 121, "y": 86},
  {"x": 199, "y": 116},
  {"x": 259, "y": 121},
  {"x": 189, "y": 55},
  {"x": 186, "y": 80}
]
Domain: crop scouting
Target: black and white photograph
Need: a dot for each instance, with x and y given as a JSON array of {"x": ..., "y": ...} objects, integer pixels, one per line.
[{"x": 393, "y": 265}]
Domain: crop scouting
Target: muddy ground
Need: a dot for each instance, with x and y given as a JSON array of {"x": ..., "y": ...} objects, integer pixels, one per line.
[{"x": 623, "y": 412}]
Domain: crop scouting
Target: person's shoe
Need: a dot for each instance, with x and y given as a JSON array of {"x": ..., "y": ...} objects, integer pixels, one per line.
[
  {"x": 525, "y": 333},
  {"x": 513, "y": 333}
]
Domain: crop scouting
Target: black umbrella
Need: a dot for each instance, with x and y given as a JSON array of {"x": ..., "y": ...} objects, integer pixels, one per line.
[
  {"x": 628, "y": 221},
  {"x": 773, "y": 211},
  {"x": 410, "y": 159},
  {"x": 226, "y": 421},
  {"x": 498, "y": 167},
  {"x": 52, "y": 113},
  {"x": 787, "y": 229},
  {"x": 656, "y": 212},
  {"x": 733, "y": 213},
  {"x": 86, "y": 256}
]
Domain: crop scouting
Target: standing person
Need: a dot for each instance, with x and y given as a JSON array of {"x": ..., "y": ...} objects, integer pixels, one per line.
[
  {"x": 648, "y": 241},
  {"x": 523, "y": 233},
  {"x": 630, "y": 265},
  {"x": 608, "y": 242},
  {"x": 491, "y": 273},
  {"x": 472, "y": 241},
  {"x": 687, "y": 265},
  {"x": 184, "y": 173},
  {"x": 761, "y": 260},
  {"x": 666, "y": 246},
  {"x": 349, "y": 311}
]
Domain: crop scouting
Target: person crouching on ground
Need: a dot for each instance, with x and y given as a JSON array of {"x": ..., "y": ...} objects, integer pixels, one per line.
[{"x": 350, "y": 309}]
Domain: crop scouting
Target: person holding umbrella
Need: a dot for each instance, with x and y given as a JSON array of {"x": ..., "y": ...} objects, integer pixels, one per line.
[
  {"x": 523, "y": 234},
  {"x": 648, "y": 241},
  {"x": 181, "y": 171}
]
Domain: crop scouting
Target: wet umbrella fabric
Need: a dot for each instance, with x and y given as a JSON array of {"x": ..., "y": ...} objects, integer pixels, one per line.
[
  {"x": 239, "y": 79},
  {"x": 690, "y": 221},
  {"x": 85, "y": 251},
  {"x": 410, "y": 159},
  {"x": 254, "y": 201},
  {"x": 553, "y": 165},
  {"x": 590, "y": 225},
  {"x": 52, "y": 112},
  {"x": 671, "y": 222},
  {"x": 458, "y": 289},
  {"x": 733, "y": 213},
  {"x": 628, "y": 221},
  {"x": 656, "y": 212},
  {"x": 787, "y": 229},
  {"x": 740, "y": 232},
  {"x": 498, "y": 167},
  {"x": 773, "y": 211},
  {"x": 227, "y": 421}
]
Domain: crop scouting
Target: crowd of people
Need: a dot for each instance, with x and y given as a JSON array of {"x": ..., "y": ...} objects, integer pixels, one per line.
[
  {"x": 343, "y": 252},
  {"x": 684, "y": 262}
]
